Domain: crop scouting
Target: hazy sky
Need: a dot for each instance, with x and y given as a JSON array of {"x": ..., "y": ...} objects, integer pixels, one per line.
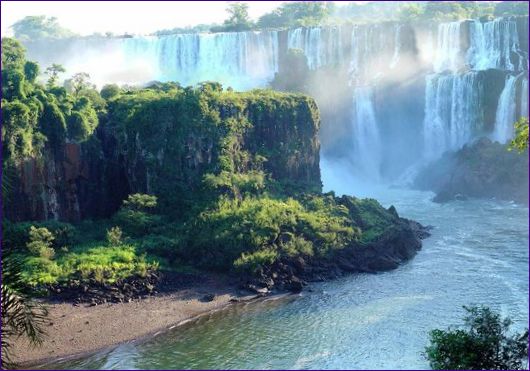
[{"x": 119, "y": 17}]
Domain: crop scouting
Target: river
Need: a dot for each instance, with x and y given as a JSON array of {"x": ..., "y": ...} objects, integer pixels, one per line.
[{"x": 477, "y": 254}]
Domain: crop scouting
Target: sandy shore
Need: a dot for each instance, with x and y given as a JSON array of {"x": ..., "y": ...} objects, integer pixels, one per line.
[{"x": 76, "y": 330}]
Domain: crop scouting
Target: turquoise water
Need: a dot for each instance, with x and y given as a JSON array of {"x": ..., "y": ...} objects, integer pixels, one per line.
[{"x": 478, "y": 254}]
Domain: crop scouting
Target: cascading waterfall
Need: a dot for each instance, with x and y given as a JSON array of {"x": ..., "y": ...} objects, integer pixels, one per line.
[
  {"x": 492, "y": 45},
  {"x": 375, "y": 54},
  {"x": 452, "y": 112},
  {"x": 524, "y": 97},
  {"x": 506, "y": 115},
  {"x": 397, "y": 47},
  {"x": 448, "y": 55},
  {"x": 321, "y": 46},
  {"x": 239, "y": 59},
  {"x": 366, "y": 138}
]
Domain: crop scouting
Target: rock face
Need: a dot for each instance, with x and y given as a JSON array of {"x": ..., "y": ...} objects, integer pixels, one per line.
[
  {"x": 166, "y": 147},
  {"x": 483, "y": 170}
]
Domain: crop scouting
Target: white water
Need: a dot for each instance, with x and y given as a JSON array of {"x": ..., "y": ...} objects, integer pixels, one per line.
[
  {"x": 524, "y": 97},
  {"x": 376, "y": 54},
  {"x": 239, "y": 59},
  {"x": 366, "y": 153},
  {"x": 452, "y": 112},
  {"x": 491, "y": 44},
  {"x": 321, "y": 46},
  {"x": 506, "y": 115},
  {"x": 448, "y": 54}
]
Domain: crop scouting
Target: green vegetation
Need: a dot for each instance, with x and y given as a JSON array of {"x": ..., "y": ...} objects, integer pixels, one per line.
[
  {"x": 520, "y": 141},
  {"x": 241, "y": 168},
  {"x": 238, "y": 19},
  {"x": 21, "y": 316},
  {"x": 40, "y": 27},
  {"x": 296, "y": 14},
  {"x": 485, "y": 344}
]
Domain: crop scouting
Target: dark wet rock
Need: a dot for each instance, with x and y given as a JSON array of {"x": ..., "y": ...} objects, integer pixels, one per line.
[
  {"x": 483, "y": 169},
  {"x": 208, "y": 298}
]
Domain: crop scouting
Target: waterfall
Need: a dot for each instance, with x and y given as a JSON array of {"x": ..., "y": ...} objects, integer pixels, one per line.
[
  {"x": 240, "y": 59},
  {"x": 506, "y": 115},
  {"x": 366, "y": 138},
  {"x": 492, "y": 45},
  {"x": 397, "y": 47},
  {"x": 452, "y": 112},
  {"x": 321, "y": 46},
  {"x": 448, "y": 53},
  {"x": 524, "y": 97}
]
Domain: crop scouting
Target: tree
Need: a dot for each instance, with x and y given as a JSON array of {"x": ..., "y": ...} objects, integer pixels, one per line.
[
  {"x": 53, "y": 71},
  {"x": 79, "y": 82},
  {"x": 238, "y": 19},
  {"x": 507, "y": 8},
  {"x": 13, "y": 54},
  {"x": 31, "y": 71},
  {"x": 520, "y": 141},
  {"x": 485, "y": 344},
  {"x": 297, "y": 13},
  {"x": 110, "y": 91},
  {"x": 21, "y": 316},
  {"x": 39, "y": 27},
  {"x": 140, "y": 202},
  {"x": 410, "y": 12}
]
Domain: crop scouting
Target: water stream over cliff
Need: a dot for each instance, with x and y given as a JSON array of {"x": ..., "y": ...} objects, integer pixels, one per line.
[{"x": 464, "y": 69}]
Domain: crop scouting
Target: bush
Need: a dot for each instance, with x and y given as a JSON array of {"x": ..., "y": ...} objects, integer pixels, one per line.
[
  {"x": 134, "y": 217},
  {"x": 16, "y": 235},
  {"x": 485, "y": 344},
  {"x": 233, "y": 228},
  {"x": 136, "y": 223},
  {"x": 41, "y": 242},
  {"x": 251, "y": 263},
  {"x": 140, "y": 202},
  {"x": 114, "y": 236}
]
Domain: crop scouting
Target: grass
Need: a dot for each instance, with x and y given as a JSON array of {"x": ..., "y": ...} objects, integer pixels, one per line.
[{"x": 91, "y": 260}]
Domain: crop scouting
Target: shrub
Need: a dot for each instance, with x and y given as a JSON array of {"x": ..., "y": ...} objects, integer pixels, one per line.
[
  {"x": 114, "y": 236},
  {"x": 41, "y": 242},
  {"x": 16, "y": 235},
  {"x": 485, "y": 344},
  {"x": 252, "y": 262},
  {"x": 140, "y": 202},
  {"x": 136, "y": 223}
]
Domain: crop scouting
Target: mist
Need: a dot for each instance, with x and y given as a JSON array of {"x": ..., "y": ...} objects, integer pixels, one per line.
[{"x": 393, "y": 96}]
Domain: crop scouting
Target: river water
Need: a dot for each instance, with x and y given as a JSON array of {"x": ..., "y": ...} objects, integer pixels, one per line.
[{"x": 477, "y": 254}]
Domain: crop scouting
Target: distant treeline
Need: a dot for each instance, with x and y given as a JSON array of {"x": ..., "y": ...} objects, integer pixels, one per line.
[{"x": 304, "y": 14}]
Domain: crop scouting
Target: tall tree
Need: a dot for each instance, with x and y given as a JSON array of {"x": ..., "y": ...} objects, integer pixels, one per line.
[
  {"x": 238, "y": 19},
  {"x": 40, "y": 27},
  {"x": 53, "y": 72}
]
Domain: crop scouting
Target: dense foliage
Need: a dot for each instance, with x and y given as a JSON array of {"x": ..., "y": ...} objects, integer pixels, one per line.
[
  {"x": 520, "y": 141},
  {"x": 40, "y": 27},
  {"x": 485, "y": 343},
  {"x": 242, "y": 168}
]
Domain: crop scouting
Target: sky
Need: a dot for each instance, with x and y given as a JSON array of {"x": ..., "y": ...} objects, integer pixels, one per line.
[{"x": 87, "y": 17}]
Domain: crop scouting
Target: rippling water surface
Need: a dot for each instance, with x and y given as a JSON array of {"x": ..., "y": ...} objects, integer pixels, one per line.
[{"x": 478, "y": 253}]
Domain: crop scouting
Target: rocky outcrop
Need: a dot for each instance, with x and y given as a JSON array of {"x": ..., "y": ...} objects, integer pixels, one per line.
[
  {"x": 166, "y": 147},
  {"x": 483, "y": 169},
  {"x": 396, "y": 245}
]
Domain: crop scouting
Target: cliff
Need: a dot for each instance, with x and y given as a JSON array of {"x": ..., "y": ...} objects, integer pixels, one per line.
[{"x": 164, "y": 143}]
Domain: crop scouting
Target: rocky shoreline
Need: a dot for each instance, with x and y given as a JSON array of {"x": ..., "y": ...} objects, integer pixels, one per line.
[
  {"x": 80, "y": 312},
  {"x": 395, "y": 246},
  {"x": 392, "y": 248}
]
